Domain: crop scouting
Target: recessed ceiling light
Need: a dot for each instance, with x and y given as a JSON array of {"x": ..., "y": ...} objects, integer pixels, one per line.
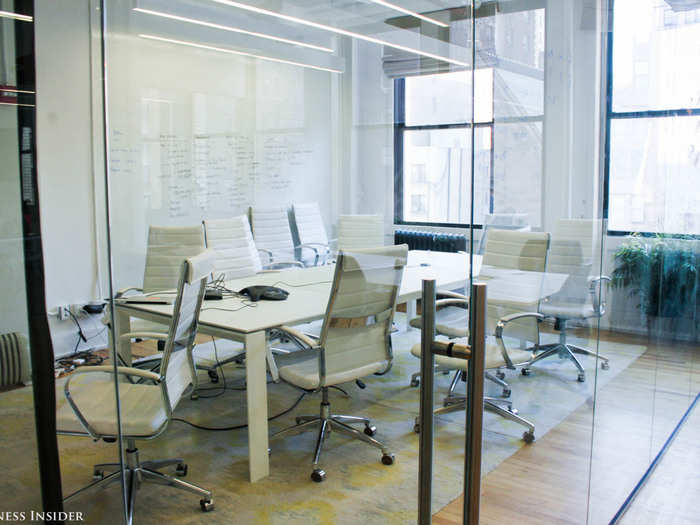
[
  {"x": 232, "y": 29},
  {"x": 339, "y": 31},
  {"x": 240, "y": 53},
  {"x": 409, "y": 12}
]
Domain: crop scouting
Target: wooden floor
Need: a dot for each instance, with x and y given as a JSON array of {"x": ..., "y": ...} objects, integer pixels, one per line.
[
  {"x": 548, "y": 481},
  {"x": 670, "y": 494}
]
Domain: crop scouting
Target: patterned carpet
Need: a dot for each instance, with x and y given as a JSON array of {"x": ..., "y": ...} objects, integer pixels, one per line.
[{"x": 358, "y": 488}]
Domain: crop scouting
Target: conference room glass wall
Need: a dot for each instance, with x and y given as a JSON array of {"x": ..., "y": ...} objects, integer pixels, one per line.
[
  {"x": 280, "y": 133},
  {"x": 21, "y": 484}
]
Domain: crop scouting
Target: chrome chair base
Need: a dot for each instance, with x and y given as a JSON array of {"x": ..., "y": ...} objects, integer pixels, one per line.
[
  {"x": 327, "y": 422},
  {"x": 138, "y": 472},
  {"x": 498, "y": 378},
  {"x": 565, "y": 351},
  {"x": 500, "y": 406}
]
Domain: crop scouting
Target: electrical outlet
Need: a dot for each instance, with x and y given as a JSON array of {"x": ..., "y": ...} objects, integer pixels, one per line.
[
  {"x": 63, "y": 312},
  {"x": 76, "y": 309}
]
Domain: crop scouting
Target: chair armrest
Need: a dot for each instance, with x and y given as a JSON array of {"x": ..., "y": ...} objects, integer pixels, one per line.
[
  {"x": 160, "y": 336},
  {"x": 503, "y": 321},
  {"x": 285, "y": 263},
  {"x": 120, "y": 293},
  {"x": 123, "y": 370},
  {"x": 266, "y": 252},
  {"x": 596, "y": 292},
  {"x": 452, "y": 295},
  {"x": 299, "y": 336},
  {"x": 451, "y": 302}
]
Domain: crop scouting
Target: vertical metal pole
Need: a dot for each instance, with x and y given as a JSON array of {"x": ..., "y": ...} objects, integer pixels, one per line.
[
  {"x": 475, "y": 405},
  {"x": 425, "y": 418}
]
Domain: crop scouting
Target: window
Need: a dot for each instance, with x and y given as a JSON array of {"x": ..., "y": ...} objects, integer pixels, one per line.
[
  {"x": 653, "y": 170},
  {"x": 433, "y": 147}
]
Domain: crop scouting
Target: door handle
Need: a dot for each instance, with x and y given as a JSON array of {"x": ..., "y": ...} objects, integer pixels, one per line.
[{"x": 474, "y": 352}]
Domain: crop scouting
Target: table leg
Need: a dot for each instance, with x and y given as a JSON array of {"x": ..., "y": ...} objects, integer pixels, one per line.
[
  {"x": 123, "y": 322},
  {"x": 411, "y": 309},
  {"x": 256, "y": 394}
]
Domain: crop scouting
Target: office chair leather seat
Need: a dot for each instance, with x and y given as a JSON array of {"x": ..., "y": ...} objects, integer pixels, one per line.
[
  {"x": 494, "y": 358},
  {"x": 142, "y": 409},
  {"x": 451, "y": 321},
  {"x": 567, "y": 311},
  {"x": 304, "y": 372}
]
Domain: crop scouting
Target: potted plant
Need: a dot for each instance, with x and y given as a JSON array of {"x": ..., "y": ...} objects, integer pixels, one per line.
[{"x": 662, "y": 273}]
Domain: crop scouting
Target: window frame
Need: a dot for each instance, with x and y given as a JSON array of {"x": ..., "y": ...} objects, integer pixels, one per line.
[
  {"x": 400, "y": 128},
  {"x": 611, "y": 115}
]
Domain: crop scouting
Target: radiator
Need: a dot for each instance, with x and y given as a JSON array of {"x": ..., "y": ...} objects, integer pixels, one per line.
[
  {"x": 14, "y": 360},
  {"x": 434, "y": 241}
]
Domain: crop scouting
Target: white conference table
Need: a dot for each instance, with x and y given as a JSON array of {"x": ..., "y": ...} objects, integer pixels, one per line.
[{"x": 309, "y": 290}]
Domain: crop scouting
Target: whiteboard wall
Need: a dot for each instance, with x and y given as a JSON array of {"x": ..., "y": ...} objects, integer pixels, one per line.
[{"x": 196, "y": 134}]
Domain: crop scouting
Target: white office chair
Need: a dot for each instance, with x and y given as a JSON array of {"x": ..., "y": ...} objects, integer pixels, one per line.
[
  {"x": 575, "y": 250},
  {"x": 236, "y": 257},
  {"x": 502, "y": 221},
  {"x": 354, "y": 342},
  {"x": 232, "y": 242},
  {"x": 88, "y": 408},
  {"x": 356, "y": 232},
  {"x": 506, "y": 250},
  {"x": 167, "y": 247},
  {"x": 273, "y": 236},
  {"x": 313, "y": 239}
]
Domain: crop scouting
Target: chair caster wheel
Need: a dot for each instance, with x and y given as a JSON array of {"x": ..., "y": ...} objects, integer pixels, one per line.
[
  {"x": 605, "y": 365},
  {"x": 213, "y": 376},
  {"x": 506, "y": 392},
  {"x": 500, "y": 375},
  {"x": 528, "y": 437},
  {"x": 416, "y": 427},
  {"x": 415, "y": 382},
  {"x": 318, "y": 475},
  {"x": 181, "y": 470},
  {"x": 388, "y": 459},
  {"x": 97, "y": 475},
  {"x": 581, "y": 378},
  {"x": 370, "y": 430},
  {"x": 207, "y": 505},
  {"x": 525, "y": 371}
]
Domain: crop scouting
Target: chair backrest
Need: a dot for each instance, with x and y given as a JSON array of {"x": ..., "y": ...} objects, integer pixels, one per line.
[
  {"x": 167, "y": 247},
  {"x": 271, "y": 232},
  {"x": 574, "y": 251},
  {"x": 502, "y": 221},
  {"x": 355, "y": 333},
  {"x": 358, "y": 232},
  {"x": 310, "y": 227},
  {"x": 175, "y": 365},
  {"x": 232, "y": 241},
  {"x": 514, "y": 250}
]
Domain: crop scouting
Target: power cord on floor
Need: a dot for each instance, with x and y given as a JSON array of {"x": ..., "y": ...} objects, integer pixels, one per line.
[{"x": 237, "y": 427}]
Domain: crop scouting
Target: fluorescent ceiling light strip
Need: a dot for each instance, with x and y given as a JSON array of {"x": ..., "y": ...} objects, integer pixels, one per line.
[
  {"x": 232, "y": 29},
  {"x": 16, "y": 16},
  {"x": 409, "y": 12},
  {"x": 240, "y": 53},
  {"x": 8, "y": 90},
  {"x": 16, "y": 104},
  {"x": 339, "y": 31}
]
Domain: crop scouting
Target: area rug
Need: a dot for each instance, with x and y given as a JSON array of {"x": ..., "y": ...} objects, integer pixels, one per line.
[{"x": 358, "y": 488}]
